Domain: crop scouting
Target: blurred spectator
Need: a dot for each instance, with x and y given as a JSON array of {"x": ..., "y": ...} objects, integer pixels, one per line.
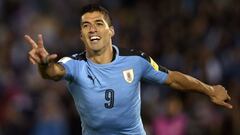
[
  {"x": 51, "y": 118},
  {"x": 199, "y": 37},
  {"x": 172, "y": 121}
]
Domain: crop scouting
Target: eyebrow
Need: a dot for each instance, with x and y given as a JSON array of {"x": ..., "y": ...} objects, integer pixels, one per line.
[
  {"x": 84, "y": 22},
  {"x": 98, "y": 20}
]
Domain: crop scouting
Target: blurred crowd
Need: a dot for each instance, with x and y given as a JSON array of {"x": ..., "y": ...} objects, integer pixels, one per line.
[{"x": 197, "y": 37}]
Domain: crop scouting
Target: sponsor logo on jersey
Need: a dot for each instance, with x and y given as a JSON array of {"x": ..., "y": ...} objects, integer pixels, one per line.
[
  {"x": 154, "y": 64},
  {"x": 128, "y": 75}
]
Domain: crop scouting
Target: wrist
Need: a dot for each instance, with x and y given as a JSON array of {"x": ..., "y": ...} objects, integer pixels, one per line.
[
  {"x": 43, "y": 65},
  {"x": 210, "y": 91}
]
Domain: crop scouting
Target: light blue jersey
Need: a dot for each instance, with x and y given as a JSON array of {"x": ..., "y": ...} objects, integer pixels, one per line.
[{"x": 107, "y": 96}]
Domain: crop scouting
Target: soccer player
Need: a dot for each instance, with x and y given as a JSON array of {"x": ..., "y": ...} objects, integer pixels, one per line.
[{"x": 104, "y": 80}]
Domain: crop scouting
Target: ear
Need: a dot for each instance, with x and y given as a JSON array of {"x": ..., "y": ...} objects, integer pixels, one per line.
[
  {"x": 112, "y": 31},
  {"x": 80, "y": 34}
]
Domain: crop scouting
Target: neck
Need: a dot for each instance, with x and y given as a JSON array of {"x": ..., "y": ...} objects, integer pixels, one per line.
[{"x": 103, "y": 56}]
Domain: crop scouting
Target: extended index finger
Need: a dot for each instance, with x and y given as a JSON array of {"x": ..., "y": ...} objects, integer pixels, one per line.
[
  {"x": 227, "y": 105},
  {"x": 40, "y": 41},
  {"x": 30, "y": 41}
]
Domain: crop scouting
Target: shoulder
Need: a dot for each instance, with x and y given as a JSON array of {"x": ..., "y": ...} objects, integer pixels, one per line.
[
  {"x": 133, "y": 52},
  {"x": 146, "y": 58},
  {"x": 79, "y": 56}
]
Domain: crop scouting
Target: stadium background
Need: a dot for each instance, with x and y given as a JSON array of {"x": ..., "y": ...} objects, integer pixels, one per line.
[{"x": 197, "y": 37}]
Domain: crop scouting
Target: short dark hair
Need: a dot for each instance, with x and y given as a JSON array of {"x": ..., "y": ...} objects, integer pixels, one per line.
[{"x": 96, "y": 7}]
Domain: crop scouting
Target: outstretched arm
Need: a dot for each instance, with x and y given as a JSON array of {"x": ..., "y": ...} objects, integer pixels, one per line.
[
  {"x": 45, "y": 61},
  {"x": 180, "y": 81}
]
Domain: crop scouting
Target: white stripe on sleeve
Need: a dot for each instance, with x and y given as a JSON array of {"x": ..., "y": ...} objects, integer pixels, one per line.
[{"x": 65, "y": 59}]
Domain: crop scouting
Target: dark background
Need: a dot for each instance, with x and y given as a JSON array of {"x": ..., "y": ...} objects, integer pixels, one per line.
[{"x": 197, "y": 37}]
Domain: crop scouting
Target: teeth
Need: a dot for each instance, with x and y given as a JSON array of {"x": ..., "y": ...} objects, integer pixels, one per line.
[{"x": 94, "y": 38}]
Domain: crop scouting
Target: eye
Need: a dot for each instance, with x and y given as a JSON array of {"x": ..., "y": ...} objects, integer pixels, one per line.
[
  {"x": 99, "y": 24},
  {"x": 85, "y": 25}
]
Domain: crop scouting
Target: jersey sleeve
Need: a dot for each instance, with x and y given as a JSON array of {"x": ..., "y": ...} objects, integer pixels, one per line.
[
  {"x": 152, "y": 71},
  {"x": 69, "y": 65}
]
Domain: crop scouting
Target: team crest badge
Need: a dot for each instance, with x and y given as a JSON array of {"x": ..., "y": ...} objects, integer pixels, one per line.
[{"x": 128, "y": 75}]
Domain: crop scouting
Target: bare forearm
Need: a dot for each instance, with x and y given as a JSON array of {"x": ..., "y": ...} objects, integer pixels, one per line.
[
  {"x": 185, "y": 82},
  {"x": 52, "y": 71},
  {"x": 217, "y": 93}
]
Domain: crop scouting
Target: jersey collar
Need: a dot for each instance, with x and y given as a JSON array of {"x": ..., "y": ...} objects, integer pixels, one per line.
[{"x": 115, "y": 57}]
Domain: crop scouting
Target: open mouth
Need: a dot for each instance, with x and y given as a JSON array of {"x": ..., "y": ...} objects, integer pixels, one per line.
[{"x": 94, "y": 38}]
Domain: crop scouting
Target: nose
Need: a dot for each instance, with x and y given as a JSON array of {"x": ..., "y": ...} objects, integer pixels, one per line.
[{"x": 92, "y": 28}]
